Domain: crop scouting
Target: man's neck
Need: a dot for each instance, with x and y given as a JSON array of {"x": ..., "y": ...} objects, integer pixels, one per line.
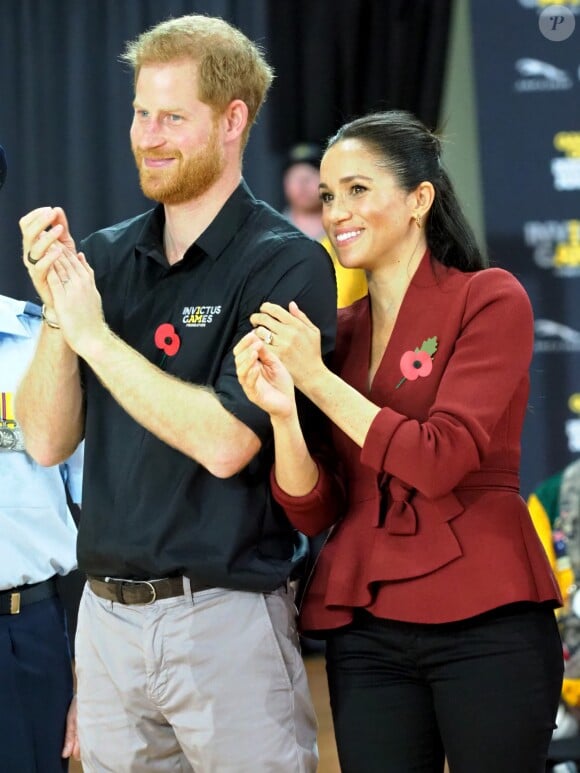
[{"x": 184, "y": 223}]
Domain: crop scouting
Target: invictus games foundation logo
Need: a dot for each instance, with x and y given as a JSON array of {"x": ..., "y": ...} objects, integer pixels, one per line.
[
  {"x": 552, "y": 336},
  {"x": 566, "y": 171},
  {"x": 199, "y": 316},
  {"x": 555, "y": 245},
  {"x": 540, "y": 76}
]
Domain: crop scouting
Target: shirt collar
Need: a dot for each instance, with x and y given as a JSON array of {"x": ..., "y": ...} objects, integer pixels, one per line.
[
  {"x": 227, "y": 222},
  {"x": 13, "y": 314},
  {"x": 216, "y": 237}
]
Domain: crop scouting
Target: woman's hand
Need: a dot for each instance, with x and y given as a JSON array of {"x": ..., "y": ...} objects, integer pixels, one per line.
[
  {"x": 77, "y": 302},
  {"x": 264, "y": 379},
  {"x": 293, "y": 337}
]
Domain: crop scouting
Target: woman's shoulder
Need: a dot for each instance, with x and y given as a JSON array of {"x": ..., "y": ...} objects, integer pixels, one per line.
[
  {"x": 489, "y": 279},
  {"x": 488, "y": 285},
  {"x": 497, "y": 280},
  {"x": 496, "y": 285},
  {"x": 495, "y": 299}
]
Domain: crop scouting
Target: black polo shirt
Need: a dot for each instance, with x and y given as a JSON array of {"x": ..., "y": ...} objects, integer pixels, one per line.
[{"x": 149, "y": 510}]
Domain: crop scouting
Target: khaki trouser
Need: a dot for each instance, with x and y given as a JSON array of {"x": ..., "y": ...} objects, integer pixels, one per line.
[{"x": 210, "y": 682}]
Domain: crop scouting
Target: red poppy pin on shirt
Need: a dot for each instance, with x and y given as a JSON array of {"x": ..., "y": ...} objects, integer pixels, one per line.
[
  {"x": 167, "y": 340},
  {"x": 419, "y": 362}
]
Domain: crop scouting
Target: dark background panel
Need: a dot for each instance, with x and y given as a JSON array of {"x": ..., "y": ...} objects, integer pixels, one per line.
[{"x": 65, "y": 99}]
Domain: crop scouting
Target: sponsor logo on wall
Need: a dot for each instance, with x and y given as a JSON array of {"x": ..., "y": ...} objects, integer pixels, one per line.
[
  {"x": 555, "y": 245},
  {"x": 566, "y": 171},
  {"x": 552, "y": 336},
  {"x": 540, "y": 5},
  {"x": 573, "y": 435},
  {"x": 572, "y": 426},
  {"x": 537, "y": 75}
]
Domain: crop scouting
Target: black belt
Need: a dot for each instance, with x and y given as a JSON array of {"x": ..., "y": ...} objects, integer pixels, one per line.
[
  {"x": 140, "y": 591},
  {"x": 13, "y": 599}
]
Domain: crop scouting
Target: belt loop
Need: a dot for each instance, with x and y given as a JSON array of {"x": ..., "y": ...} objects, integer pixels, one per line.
[{"x": 187, "y": 589}]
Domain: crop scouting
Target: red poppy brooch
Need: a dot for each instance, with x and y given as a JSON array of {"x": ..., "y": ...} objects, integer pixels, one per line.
[
  {"x": 167, "y": 340},
  {"x": 419, "y": 362}
]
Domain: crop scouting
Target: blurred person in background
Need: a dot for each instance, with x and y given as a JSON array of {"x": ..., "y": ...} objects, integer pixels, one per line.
[
  {"x": 304, "y": 210},
  {"x": 555, "y": 510}
]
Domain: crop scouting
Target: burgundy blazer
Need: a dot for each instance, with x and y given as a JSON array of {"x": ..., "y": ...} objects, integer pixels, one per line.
[{"x": 434, "y": 528}]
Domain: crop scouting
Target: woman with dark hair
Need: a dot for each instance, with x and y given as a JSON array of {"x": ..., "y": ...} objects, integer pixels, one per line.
[{"x": 432, "y": 591}]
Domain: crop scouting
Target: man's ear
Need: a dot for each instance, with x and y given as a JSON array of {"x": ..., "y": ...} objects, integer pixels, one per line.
[{"x": 235, "y": 119}]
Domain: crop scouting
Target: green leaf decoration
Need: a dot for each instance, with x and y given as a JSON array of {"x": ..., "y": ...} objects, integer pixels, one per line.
[{"x": 429, "y": 345}]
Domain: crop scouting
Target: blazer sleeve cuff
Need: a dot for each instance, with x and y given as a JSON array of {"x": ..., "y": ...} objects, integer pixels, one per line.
[
  {"x": 379, "y": 437},
  {"x": 316, "y": 510}
]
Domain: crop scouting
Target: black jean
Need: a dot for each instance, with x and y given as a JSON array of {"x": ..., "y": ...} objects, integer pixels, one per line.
[{"x": 483, "y": 691}]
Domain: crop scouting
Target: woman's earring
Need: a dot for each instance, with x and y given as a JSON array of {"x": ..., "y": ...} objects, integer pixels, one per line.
[{"x": 418, "y": 220}]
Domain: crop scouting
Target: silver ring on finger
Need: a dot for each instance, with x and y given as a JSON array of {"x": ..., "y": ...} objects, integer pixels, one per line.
[{"x": 269, "y": 338}]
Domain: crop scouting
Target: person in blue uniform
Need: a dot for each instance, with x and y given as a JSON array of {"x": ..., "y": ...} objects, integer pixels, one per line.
[{"x": 38, "y": 538}]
